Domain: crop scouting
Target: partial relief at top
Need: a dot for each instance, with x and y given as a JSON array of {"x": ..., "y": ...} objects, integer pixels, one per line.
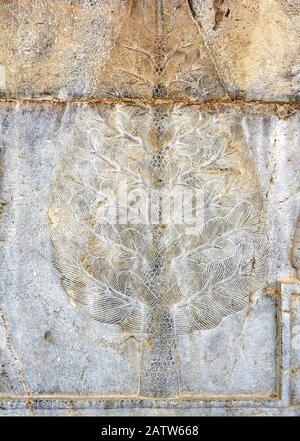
[{"x": 160, "y": 54}]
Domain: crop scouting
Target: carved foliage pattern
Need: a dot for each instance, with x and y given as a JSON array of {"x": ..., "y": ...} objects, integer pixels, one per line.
[{"x": 148, "y": 276}]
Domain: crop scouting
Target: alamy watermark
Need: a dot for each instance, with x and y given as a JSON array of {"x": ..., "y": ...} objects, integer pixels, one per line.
[{"x": 180, "y": 205}]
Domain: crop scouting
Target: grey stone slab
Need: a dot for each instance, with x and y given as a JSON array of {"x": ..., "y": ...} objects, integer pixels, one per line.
[
  {"x": 56, "y": 341},
  {"x": 104, "y": 317}
]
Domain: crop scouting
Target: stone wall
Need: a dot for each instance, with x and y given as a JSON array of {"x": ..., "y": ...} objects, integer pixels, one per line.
[{"x": 106, "y": 313}]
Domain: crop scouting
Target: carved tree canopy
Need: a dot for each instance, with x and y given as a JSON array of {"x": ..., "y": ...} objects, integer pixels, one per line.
[
  {"x": 146, "y": 275},
  {"x": 207, "y": 274}
]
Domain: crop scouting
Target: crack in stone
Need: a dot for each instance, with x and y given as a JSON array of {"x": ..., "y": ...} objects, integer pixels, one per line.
[
  {"x": 209, "y": 51},
  {"x": 14, "y": 355},
  {"x": 282, "y": 109}
]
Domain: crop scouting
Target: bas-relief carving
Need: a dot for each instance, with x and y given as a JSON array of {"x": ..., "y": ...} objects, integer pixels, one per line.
[
  {"x": 192, "y": 296},
  {"x": 160, "y": 54},
  {"x": 150, "y": 277}
]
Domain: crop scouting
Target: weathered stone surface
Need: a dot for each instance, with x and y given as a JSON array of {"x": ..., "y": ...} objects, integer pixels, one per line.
[
  {"x": 255, "y": 45},
  {"x": 56, "y": 48},
  {"x": 152, "y": 317},
  {"x": 295, "y": 332}
]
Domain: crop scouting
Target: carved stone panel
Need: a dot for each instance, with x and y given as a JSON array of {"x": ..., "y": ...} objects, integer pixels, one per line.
[{"x": 149, "y": 235}]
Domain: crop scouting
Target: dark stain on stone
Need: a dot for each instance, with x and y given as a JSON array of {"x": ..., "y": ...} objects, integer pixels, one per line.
[
  {"x": 3, "y": 203},
  {"x": 192, "y": 9},
  {"x": 48, "y": 336},
  {"x": 219, "y": 13}
]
